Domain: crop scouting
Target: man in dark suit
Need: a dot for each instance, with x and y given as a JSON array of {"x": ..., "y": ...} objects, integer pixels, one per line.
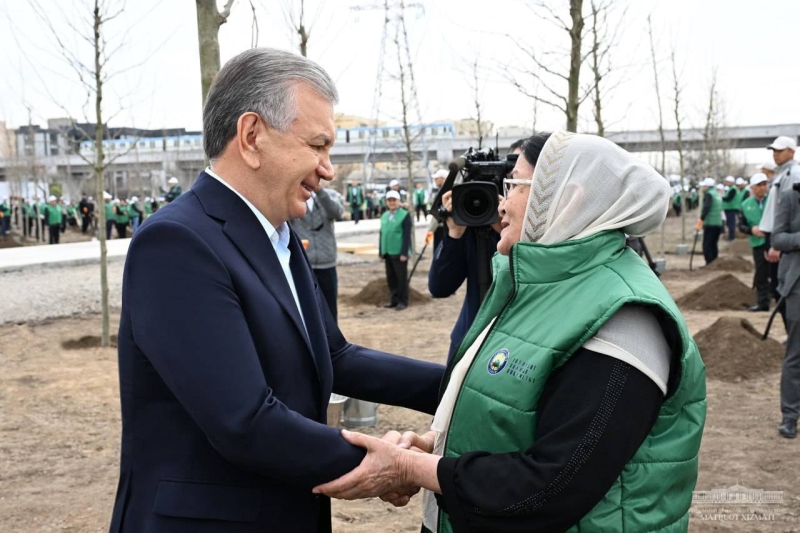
[{"x": 227, "y": 351}]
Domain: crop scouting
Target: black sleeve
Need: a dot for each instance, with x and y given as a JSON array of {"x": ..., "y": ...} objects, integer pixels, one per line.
[
  {"x": 744, "y": 227},
  {"x": 406, "y": 235},
  {"x": 731, "y": 194},
  {"x": 449, "y": 266},
  {"x": 584, "y": 441},
  {"x": 707, "y": 200}
]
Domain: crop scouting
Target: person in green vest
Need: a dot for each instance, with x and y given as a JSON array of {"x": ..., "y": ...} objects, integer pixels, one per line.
[
  {"x": 108, "y": 210},
  {"x": 710, "y": 219},
  {"x": 676, "y": 201},
  {"x": 135, "y": 214},
  {"x": 42, "y": 209},
  {"x": 72, "y": 213},
  {"x": 577, "y": 400},
  {"x": 731, "y": 204},
  {"x": 53, "y": 217},
  {"x": 752, "y": 211},
  {"x": 26, "y": 217},
  {"x": 395, "y": 249},
  {"x": 355, "y": 200},
  {"x": 5, "y": 218},
  {"x": 693, "y": 199},
  {"x": 122, "y": 218},
  {"x": 420, "y": 201},
  {"x": 174, "y": 190},
  {"x": 148, "y": 207},
  {"x": 743, "y": 192}
]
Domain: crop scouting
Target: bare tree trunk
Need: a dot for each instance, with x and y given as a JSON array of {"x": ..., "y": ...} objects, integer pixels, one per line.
[
  {"x": 302, "y": 31},
  {"x": 477, "y": 103},
  {"x": 598, "y": 75},
  {"x": 658, "y": 100},
  {"x": 98, "y": 172},
  {"x": 209, "y": 20},
  {"x": 677, "y": 96},
  {"x": 576, "y": 35},
  {"x": 407, "y": 141}
]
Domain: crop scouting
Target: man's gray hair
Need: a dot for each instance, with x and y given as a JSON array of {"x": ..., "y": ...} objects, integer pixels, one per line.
[{"x": 263, "y": 81}]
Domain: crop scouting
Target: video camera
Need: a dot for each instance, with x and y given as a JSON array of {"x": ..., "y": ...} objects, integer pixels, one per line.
[{"x": 475, "y": 202}]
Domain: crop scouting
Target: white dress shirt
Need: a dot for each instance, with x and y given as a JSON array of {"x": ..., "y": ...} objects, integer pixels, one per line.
[{"x": 278, "y": 237}]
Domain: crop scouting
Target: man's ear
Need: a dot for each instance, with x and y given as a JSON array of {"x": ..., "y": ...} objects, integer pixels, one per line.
[{"x": 249, "y": 128}]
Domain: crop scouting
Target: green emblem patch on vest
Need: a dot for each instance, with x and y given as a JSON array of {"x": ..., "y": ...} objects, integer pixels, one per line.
[{"x": 498, "y": 361}]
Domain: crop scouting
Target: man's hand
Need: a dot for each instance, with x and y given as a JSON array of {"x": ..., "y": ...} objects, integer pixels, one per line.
[
  {"x": 757, "y": 232},
  {"x": 772, "y": 256},
  {"x": 383, "y": 470},
  {"x": 699, "y": 225},
  {"x": 418, "y": 443},
  {"x": 453, "y": 230},
  {"x": 403, "y": 258}
]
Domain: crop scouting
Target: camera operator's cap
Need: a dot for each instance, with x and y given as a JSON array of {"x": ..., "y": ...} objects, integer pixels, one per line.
[
  {"x": 758, "y": 179},
  {"x": 393, "y": 194},
  {"x": 708, "y": 182},
  {"x": 51, "y": 198},
  {"x": 740, "y": 181},
  {"x": 769, "y": 165},
  {"x": 441, "y": 173},
  {"x": 782, "y": 143},
  {"x": 730, "y": 179},
  {"x": 393, "y": 183},
  {"x": 173, "y": 180}
]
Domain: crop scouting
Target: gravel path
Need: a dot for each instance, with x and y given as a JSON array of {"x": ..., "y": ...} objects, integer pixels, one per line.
[{"x": 41, "y": 293}]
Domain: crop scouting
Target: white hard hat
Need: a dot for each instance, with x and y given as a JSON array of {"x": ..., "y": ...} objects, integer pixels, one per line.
[
  {"x": 107, "y": 196},
  {"x": 730, "y": 179},
  {"x": 173, "y": 180},
  {"x": 91, "y": 198},
  {"x": 769, "y": 165},
  {"x": 441, "y": 173},
  {"x": 134, "y": 199},
  {"x": 51, "y": 198},
  {"x": 393, "y": 183},
  {"x": 741, "y": 181},
  {"x": 115, "y": 201},
  {"x": 708, "y": 182},
  {"x": 393, "y": 194},
  {"x": 758, "y": 178}
]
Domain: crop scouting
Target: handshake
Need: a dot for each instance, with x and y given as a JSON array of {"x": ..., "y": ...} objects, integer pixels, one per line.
[{"x": 394, "y": 469}]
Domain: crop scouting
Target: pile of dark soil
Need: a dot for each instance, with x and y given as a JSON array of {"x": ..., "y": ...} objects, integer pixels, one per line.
[
  {"x": 86, "y": 342},
  {"x": 725, "y": 292},
  {"x": 376, "y": 292},
  {"x": 732, "y": 350},
  {"x": 735, "y": 263}
]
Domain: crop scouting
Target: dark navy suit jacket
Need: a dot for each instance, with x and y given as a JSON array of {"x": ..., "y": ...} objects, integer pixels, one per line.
[{"x": 223, "y": 394}]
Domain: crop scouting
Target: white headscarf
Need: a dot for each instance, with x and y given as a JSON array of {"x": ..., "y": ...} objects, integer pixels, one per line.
[{"x": 584, "y": 184}]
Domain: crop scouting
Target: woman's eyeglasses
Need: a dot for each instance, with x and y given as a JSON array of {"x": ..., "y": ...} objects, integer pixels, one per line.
[{"x": 511, "y": 184}]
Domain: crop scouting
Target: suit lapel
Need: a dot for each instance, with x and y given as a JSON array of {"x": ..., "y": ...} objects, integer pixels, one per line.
[
  {"x": 305, "y": 284},
  {"x": 243, "y": 228}
]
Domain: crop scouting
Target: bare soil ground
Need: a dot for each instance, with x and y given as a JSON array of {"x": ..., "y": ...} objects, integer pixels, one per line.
[{"x": 60, "y": 421}]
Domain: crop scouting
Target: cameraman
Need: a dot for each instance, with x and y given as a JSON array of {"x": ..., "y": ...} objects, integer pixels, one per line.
[{"x": 456, "y": 259}]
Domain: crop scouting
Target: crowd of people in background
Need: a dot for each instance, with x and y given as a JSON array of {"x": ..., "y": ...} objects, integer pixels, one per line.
[{"x": 46, "y": 219}]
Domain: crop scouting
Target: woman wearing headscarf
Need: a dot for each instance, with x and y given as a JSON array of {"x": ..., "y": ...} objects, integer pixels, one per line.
[{"x": 577, "y": 399}]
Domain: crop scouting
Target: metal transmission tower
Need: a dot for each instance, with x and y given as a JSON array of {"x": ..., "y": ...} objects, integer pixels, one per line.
[{"x": 395, "y": 33}]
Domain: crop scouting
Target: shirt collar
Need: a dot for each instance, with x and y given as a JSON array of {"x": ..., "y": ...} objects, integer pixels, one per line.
[{"x": 281, "y": 234}]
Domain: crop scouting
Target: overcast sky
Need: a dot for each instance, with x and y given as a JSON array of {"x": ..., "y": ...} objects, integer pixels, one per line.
[{"x": 754, "y": 45}]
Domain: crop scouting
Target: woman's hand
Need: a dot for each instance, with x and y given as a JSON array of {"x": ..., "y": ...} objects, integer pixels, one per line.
[{"x": 418, "y": 443}]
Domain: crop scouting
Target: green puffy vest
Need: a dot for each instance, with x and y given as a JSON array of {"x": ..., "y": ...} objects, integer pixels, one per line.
[
  {"x": 752, "y": 213},
  {"x": 545, "y": 314},
  {"x": 53, "y": 215},
  {"x": 109, "y": 210},
  {"x": 714, "y": 217},
  {"x": 392, "y": 233},
  {"x": 419, "y": 196},
  {"x": 737, "y": 202},
  {"x": 122, "y": 216}
]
